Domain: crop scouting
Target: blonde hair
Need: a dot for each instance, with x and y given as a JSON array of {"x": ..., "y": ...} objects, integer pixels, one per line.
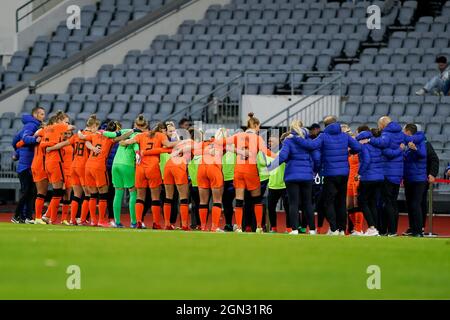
[
  {"x": 221, "y": 133},
  {"x": 345, "y": 128},
  {"x": 384, "y": 121},
  {"x": 296, "y": 126},
  {"x": 252, "y": 121},
  {"x": 329, "y": 120},
  {"x": 92, "y": 120},
  {"x": 141, "y": 121}
]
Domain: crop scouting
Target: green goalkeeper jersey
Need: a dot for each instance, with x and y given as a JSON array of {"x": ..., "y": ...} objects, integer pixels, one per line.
[
  {"x": 276, "y": 179},
  {"x": 193, "y": 169},
  {"x": 124, "y": 155},
  {"x": 228, "y": 163}
]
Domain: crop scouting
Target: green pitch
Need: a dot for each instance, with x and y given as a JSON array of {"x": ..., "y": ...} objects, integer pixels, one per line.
[{"x": 132, "y": 264}]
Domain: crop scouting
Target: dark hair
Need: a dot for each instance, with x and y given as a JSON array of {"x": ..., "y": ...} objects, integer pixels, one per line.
[
  {"x": 112, "y": 126},
  {"x": 362, "y": 128},
  {"x": 411, "y": 127},
  {"x": 36, "y": 109},
  {"x": 375, "y": 132},
  {"x": 252, "y": 120},
  {"x": 441, "y": 59},
  {"x": 182, "y": 121},
  {"x": 141, "y": 121}
]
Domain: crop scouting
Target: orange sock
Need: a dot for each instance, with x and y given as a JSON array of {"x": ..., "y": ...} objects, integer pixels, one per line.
[
  {"x": 203, "y": 213},
  {"x": 85, "y": 209},
  {"x": 259, "y": 214},
  {"x": 93, "y": 209},
  {"x": 359, "y": 219},
  {"x": 238, "y": 211},
  {"x": 184, "y": 212},
  {"x": 39, "y": 205},
  {"x": 65, "y": 210},
  {"x": 156, "y": 212},
  {"x": 167, "y": 210},
  {"x": 216, "y": 212},
  {"x": 54, "y": 204},
  {"x": 74, "y": 208},
  {"x": 102, "y": 206},
  {"x": 139, "y": 207}
]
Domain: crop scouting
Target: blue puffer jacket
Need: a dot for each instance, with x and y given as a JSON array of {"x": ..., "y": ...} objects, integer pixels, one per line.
[
  {"x": 370, "y": 160},
  {"x": 390, "y": 140},
  {"x": 416, "y": 160},
  {"x": 26, "y": 153},
  {"x": 333, "y": 145},
  {"x": 301, "y": 163}
]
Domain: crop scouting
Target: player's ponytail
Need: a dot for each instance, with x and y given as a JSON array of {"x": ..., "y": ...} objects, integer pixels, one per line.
[
  {"x": 296, "y": 126},
  {"x": 61, "y": 115},
  {"x": 141, "y": 122},
  {"x": 111, "y": 126},
  {"x": 252, "y": 122},
  {"x": 92, "y": 120}
]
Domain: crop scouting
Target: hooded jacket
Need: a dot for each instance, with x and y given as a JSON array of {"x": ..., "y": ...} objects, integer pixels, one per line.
[
  {"x": 301, "y": 163},
  {"x": 391, "y": 138},
  {"x": 333, "y": 145},
  {"x": 26, "y": 134},
  {"x": 415, "y": 169},
  {"x": 370, "y": 160}
]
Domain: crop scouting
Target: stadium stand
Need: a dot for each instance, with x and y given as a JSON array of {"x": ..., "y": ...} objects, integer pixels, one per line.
[{"x": 97, "y": 21}]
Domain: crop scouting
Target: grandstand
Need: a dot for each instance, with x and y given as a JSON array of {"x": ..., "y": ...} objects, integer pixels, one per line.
[{"x": 256, "y": 47}]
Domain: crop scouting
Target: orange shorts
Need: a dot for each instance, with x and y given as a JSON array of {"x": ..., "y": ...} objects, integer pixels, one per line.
[
  {"x": 148, "y": 177},
  {"x": 209, "y": 176},
  {"x": 77, "y": 176},
  {"x": 38, "y": 174},
  {"x": 246, "y": 181},
  {"x": 55, "y": 172},
  {"x": 96, "y": 177},
  {"x": 175, "y": 174}
]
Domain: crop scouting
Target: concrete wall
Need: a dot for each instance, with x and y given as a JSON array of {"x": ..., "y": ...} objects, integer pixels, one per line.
[
  {"x": 47, "y": 23},
  {"x": 8, "y": 27}
]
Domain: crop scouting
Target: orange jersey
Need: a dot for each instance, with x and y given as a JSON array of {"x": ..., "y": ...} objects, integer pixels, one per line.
[
  {"x": 55, "y": 134},
  {"x": 39, "y": 153},
  {"x": 80, "y": 151},
  {"x": 212, "y": 152},
  {"x": 182, "y": 153},
  {"x": 352, "y": 185},
  {"x": 251, "y": 143},
  {"x": 147, "y": 143},
  {"x": 67, "y": 152},
  {"x": 105, "y": 144}
]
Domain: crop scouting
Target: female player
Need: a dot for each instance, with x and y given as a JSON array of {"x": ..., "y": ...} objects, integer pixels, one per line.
[
  {"x": 123, "y": 171},
  {"x": 298, "y": 176},
  {"x": 77, "y": 168},
  {"x": 54, "y": 161},
  {"x": 175, "y": 174},
  {"x": 193, "y": 187},
  {"x": 149, "y": 146},
  {"x": 229, "y": 193},
  {"x": 96, "y": 177},
  {"x": 247, "y": 144},
  {"x": 210, "y": 177}
]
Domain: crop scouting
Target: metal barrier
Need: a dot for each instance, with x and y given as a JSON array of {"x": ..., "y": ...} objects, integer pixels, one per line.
[
  {"x": 336, "y": 87},
  {"x": 224, "y": 103},
  {"x": 34, "y": 8}
]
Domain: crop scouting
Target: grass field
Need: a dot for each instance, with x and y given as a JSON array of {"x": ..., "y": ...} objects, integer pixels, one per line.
[{"x": 132, "y": 264}]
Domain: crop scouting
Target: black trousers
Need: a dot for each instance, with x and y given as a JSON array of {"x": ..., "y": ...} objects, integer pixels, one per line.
[
  {"x": 229, "y": 193},
  {"x": 390, "y": 210},
  {"x": 414, "y": 198},
  {"x": 425, "y": 205},
  {"x": 334, "y": 197},
  {"x": 367, "y": 201},
  {"x": 195, "y": 201},
  {"x": 301, "y": 190},
  {"x": 24, "y": 209},
  {"x": 273, "y": 197}
]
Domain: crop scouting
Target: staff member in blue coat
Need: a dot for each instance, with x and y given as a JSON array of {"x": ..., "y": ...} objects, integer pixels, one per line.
[
  {"x": 31, "y": 122},
  {"x": 392, "y": 142},
  {"x": 301, "y": 164},
  {"x": 371, "y": 178},
  {"x": 415, "y": 177},
  {"x": 333, "y": 145}
]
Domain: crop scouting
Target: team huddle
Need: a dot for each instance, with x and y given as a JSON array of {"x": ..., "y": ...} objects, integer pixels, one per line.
[{"x": 230, "y": 171}]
